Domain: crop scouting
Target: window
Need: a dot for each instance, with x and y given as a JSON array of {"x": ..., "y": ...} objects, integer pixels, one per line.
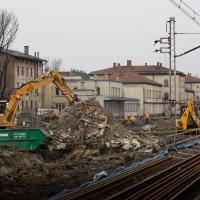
[
  {"x": 27, "y": 105},
  {"x": 154, "y": 96},
  {"x": 112, "y": 91},
  {"x": 22, "y": 71},
  {"x": 60, "y": 106},
  {"x": 166, "y": 96},
  {"x": 98, "y": 91},
  {"x": 31, "y": 71},
  {"x": 159, "y": 95},
  {"x": 31, "y": 105},
  {"x": 22, "y": 105},
  {"x": 17, "y": 85},
  {"x": 27, "y": 71},
  {"x": 35, "y": 105},
  {"x": 36, "y": 92},
  {"x": 57, "y": 92},
  {"x": 166, "y": 83},
  {"x": 17, "y": 70},
  {"x": 118, "y": 93},
  {"x": 82, "y": 85},
  {"x": 197, "y": 98},
  {"x": 197, "y": 88},
  {"x": 148, "y": 94}
]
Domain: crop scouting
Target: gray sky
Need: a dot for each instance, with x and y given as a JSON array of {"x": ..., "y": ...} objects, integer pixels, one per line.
[{"x": 92, "y": 34}]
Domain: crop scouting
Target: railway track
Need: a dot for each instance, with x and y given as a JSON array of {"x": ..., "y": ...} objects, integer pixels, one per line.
[
  {"x": 166, "y": 181},
  {"x": 164, "y": 185},
  {"x": 113, "y": 183}
]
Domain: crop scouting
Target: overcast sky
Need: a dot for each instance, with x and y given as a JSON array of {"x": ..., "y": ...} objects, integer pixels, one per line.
[{"x": 92, "y": 34}]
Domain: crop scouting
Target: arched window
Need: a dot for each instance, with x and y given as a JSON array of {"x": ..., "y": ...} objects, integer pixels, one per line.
[
  {"x": 98, "y": 91},
  {"x": 166, "y": 96},
  {"x": 166, "y": 83},
  {"x": 197, "y": 88}
]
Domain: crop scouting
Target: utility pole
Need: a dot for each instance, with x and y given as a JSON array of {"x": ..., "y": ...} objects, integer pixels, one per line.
[
  {"x": 170, "y": 48},
  {"x": 172, "y": 64}
]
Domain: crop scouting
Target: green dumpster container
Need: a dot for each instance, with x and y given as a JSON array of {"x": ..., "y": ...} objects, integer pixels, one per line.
[{"x": 29, "y": 139}]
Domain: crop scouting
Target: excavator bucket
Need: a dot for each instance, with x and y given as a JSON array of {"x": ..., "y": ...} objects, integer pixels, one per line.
[{"x": 28, "y": 139}]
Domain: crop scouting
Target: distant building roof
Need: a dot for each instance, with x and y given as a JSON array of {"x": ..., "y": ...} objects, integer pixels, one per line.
[
  {"x": 82, "y": 75},
  {"x": 189, "y": 90},
  {"x": 191, "y": 79},
  {"x": 19, "y": 54},
  {"x": 130, "y": 77},
  {"x": 157, "y": 69}
]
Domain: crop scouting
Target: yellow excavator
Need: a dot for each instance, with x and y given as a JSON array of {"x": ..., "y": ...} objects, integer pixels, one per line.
[
  {"x": 189, "y": 117},
  {"x": 8, "y": 109}
]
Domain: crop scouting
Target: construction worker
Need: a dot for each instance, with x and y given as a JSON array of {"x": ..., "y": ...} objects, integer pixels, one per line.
[
  {"x": 132, "y": 119},
  {"x": 146, "y": 117},
  {"x": 125, "y": 118}
]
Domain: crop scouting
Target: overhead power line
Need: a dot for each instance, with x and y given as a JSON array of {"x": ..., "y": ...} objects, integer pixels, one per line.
[{"x": 187, "y": 10}]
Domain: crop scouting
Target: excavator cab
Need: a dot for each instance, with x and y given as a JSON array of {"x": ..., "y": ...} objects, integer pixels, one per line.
[{"x": 3, "y": 104}]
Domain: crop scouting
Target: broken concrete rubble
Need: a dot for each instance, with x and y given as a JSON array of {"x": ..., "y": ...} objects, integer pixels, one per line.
[{"x": 87, "y": 123}]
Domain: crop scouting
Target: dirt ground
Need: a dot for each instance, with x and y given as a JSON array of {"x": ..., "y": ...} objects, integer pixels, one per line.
[
  {"x": 83, "y": 142},
  {"x": 39, "y": 179}
]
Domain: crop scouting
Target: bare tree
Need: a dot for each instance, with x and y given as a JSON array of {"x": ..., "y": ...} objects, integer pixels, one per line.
[
  {"x": 56, "y": 64},
  {"x": 8, "y": 30}
]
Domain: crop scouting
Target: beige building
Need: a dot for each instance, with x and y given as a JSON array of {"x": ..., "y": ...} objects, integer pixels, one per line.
[
  {"x": 109, "y": 93},
  {"x": 136, "y": 86},
  {"x": 23, "y": 68},
  {"x": 192, "y": 85},
  {"x": 154, "y": 102}
]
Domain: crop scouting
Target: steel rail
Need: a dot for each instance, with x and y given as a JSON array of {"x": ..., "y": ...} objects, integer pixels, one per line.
[
  {"x": 184, "y": 192},
  {"x": 174, "y": 185},
  {"x": 164, "y": 184},
  {"x": 113, "y": 182},
  {"x": 152, "y": 189}
]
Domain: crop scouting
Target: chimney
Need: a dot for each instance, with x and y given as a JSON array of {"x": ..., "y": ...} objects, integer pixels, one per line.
[
  {"x": 145, "y": 64},
  {"x": 114, "y": 64},
  {"x": 129, "y": 63},
  {"x": 118, "y": 64},
  {"x": 158, "y": 64},
  {"x": 26, "y": 50}
]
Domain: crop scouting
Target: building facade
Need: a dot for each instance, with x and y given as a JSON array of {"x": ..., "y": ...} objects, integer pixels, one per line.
[
  {"x": 192, "y": 84},
  {"x": 109, "y": 93},
  {"x": 154, "y": 100},
  {"x": 21, "y": 69}
]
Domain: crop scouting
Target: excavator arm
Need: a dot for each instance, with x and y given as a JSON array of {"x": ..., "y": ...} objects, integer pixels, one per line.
[
  {"x": 189, "y": 117},
  {"x": 16, "y": 96}
]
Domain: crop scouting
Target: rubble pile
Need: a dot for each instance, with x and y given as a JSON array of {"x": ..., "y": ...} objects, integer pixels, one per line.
[{"x": 88, "y": 125}]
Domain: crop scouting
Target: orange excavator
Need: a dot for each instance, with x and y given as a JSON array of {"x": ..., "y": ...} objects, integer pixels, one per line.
[
  {"x": 189, "y": 117},
  {"x": 8, "y": 109}
]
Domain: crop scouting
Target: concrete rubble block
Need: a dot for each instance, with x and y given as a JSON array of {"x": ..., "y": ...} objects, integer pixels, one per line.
[
  {"x": 100, "y": 176},
  {"x": 136, "y": 144},
  {"x": 61, "y": 146}
]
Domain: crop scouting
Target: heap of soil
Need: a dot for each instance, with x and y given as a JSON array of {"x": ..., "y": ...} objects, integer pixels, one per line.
[{"x": 87, "y": 125}]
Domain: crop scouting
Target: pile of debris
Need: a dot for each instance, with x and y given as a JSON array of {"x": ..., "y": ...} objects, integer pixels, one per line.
[{"x": 87, "y": 125}]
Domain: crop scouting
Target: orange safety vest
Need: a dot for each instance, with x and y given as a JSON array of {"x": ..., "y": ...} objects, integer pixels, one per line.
[{"x": 132, "y": 118}]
